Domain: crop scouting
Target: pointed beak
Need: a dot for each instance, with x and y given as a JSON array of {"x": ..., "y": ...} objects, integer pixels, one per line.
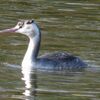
[{"x": 11, "y": 30}]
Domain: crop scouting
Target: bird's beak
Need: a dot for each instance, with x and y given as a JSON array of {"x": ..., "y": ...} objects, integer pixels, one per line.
[{"x": 11, "y": 30}]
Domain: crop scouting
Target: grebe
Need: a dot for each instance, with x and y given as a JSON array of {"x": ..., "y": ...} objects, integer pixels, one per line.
[{"x": 56, "y": 60}]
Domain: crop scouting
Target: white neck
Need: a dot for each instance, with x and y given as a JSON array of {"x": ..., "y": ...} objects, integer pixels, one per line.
[{"x": 32, "y": 51}]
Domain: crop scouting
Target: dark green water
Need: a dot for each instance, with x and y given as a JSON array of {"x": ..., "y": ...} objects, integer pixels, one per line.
[{"x": 67, "y": 25}]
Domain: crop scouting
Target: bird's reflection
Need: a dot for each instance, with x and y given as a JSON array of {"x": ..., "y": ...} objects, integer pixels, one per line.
[{"x": 30, "y": 80}]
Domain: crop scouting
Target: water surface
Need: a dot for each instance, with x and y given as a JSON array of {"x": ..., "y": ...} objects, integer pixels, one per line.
[{"x": 72, "y": 26}]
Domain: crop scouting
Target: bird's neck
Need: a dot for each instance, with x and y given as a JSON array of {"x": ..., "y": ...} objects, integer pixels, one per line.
[{"x": 32, "y": 50}]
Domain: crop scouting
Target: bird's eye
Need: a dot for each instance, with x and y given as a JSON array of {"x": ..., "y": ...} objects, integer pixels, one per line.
[{"x": 20, "y": 24}]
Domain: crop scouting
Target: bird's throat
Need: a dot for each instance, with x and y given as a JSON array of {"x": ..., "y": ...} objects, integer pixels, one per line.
[{"x": 32, "y": 51}]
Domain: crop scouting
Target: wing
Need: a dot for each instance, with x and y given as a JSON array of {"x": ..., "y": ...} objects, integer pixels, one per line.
[
  {"x": 61, "y": 59},
  {"x": 58, "y": 56}
]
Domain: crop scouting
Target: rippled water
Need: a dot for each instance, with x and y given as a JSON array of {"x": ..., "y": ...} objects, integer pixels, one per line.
[{"x": 67, "y": 25}]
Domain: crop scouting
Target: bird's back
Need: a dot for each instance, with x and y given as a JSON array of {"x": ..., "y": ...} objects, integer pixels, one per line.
[
  {"x": 58, "y": 56},
  {"x": 60, "y": 60}
]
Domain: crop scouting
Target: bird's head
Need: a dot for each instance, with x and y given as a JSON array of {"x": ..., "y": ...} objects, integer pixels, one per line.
[{"x": 26, "y": 27}]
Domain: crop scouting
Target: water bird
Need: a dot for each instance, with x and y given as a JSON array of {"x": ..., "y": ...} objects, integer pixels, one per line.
[{"x": 56, "y": 60}]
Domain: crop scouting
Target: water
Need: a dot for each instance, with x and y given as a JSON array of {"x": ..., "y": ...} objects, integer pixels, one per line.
[{"x": 71, "y": 26}]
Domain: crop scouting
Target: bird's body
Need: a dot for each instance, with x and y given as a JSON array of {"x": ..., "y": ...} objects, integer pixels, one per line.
[
  {"x": 60, "y": 61},
  {"x": 56, "y": 60}
]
